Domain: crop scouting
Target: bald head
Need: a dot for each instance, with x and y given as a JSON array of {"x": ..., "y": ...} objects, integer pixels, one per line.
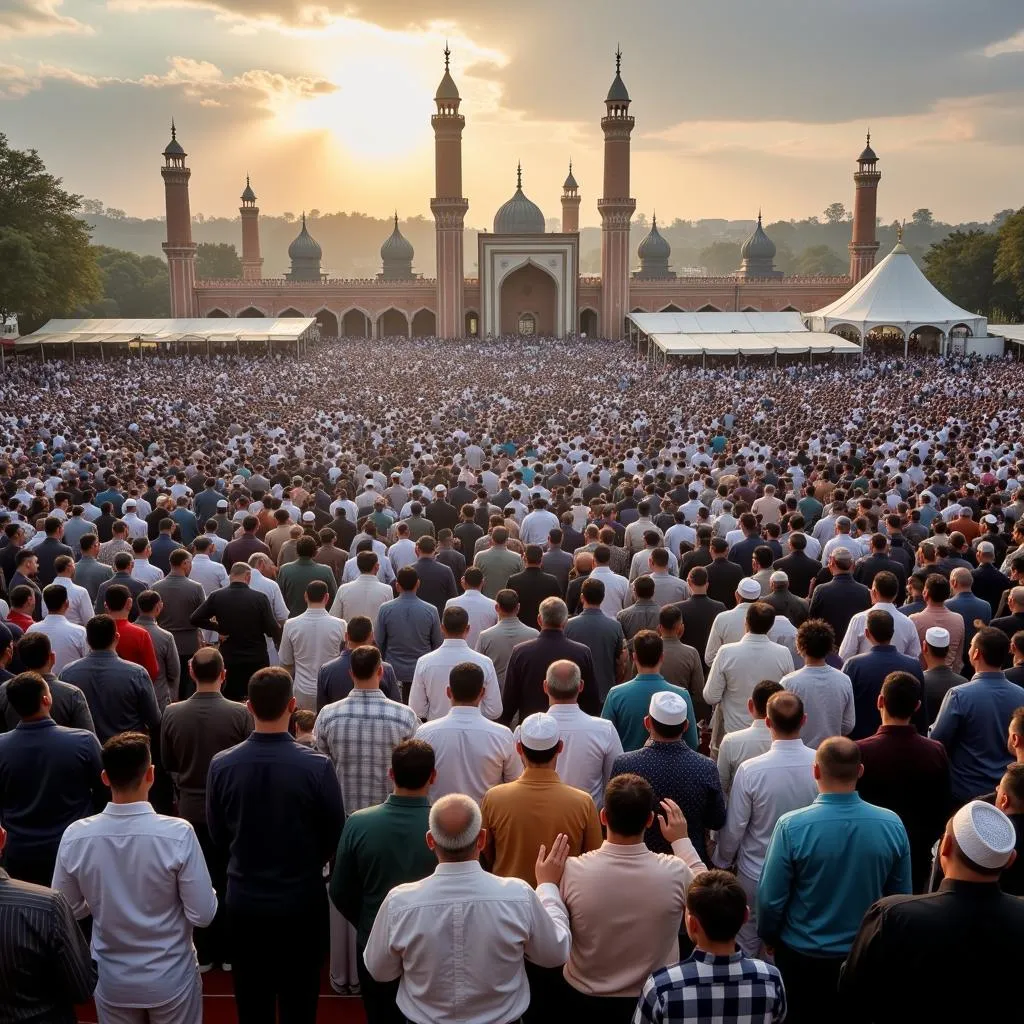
[
  {"x": 584, "y": 562},
  {"x": 837, "y": 765},
  {"x": 455, "y": 828},
  {"x": 785, "y": 715},
  {"x": 563, "y": 681},
  {"x": 1016, "y": 599},
  {"x": 961, "y": 579}
]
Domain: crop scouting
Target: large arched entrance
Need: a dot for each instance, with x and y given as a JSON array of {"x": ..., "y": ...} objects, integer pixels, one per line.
[
  {"x": 588, "y": 322},
  {"x": 529, "y": 292},
  {"x": 392, "y": 323},
  {"x": 250, "y": 312},
  {"x": 424, "y": 324},
  {"x": 328, "y": 324},
  {"x": 355, "y": 324}
]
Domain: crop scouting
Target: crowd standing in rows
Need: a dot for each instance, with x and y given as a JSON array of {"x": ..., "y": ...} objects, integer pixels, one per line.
[{"x": 512, "y": 681}]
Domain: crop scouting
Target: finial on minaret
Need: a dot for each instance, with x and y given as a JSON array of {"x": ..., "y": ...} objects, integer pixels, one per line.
[
  {"x": 174, "y": 131},
  {"x": 303, "y": 220},
  {"x": 618, "y": 59},
  {"x": 519, "y": 175},
  {"x": 759, "y": 216},
  {"x": 869, "y": 136},
  {"x": 247, "y": 182},
  {"x": 447, "y": 55},
  {"x": 396, "y": 220},
  {"x": 654, "y": 219}
]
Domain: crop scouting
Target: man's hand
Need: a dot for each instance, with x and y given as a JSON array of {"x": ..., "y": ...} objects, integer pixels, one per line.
[
  {"x": 672, "y": 823},
  {"x": 549, "y": 866}
]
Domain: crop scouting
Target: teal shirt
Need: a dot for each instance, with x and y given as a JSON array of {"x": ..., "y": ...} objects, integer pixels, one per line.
[
  {"x": 380, "y": 847},
  {"x": 811, "y": 509},
  {"x": 826, "y": 864},
  {"x": 628, "y": 703}
]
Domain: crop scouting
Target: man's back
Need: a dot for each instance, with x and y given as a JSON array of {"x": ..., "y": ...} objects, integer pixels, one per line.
[
  {"x": 837, "y": 602},
  {"x": 828, "y": 700},
  {"x": 523, "y": 690},
  {"x": 604, "y": 638},
  {"x": 699, "y": 613},
  {"x": 119, "y": 693},
  {"x": 867, "y": 672},
  {"x": 498, "y": 641},
  {"x": 497, "y": 564},
  {"x": 628, "y": 703}
]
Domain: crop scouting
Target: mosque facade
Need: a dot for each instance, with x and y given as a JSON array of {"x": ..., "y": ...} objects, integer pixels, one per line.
[{"x": 529, "y": 279}]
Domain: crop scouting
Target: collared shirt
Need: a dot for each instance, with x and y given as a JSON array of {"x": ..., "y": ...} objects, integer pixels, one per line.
[
  {"x": 740, "y": 746},
  {"x": 358, "y": 735},
  {"x": 765, "y": 788},
  {"x": 904, "y": 637},
  {"x": 457, "y": 940},
  {"x": 737, "y": 669},
  {"x": 616, "y": 590},
  {"x": 471, "y": 753},
  {"x": 828, "y": 701},
  {"x": 725, "y": 989},
  {"x": 145, "y": 572},
  {"x": 406, "y": 629},
  {"x": 628, "y": 704},
  {"x": 430, "y": 680},
  {"x": 363, "y": 596},
  {"x": 143, "y": 878},
  {"x": 481, "y": 611},
  {"x": 808, "y": 896},
  {"x": 80, "y": 606},
  {"x": 308, "y": 642},
  {"x": 497, "y": 642},
  {"x": 948, "y": 620},
  {"x": 210, "y": 575},
  {"x": 606, "y": 892},
  {"x": 67, "y": 639},
  {"x": 589, "y": 748},
  {"x": 120, "y": 694}
]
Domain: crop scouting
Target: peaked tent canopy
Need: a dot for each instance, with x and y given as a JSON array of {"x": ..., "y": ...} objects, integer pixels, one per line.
[{"x": 199, "y": 330}]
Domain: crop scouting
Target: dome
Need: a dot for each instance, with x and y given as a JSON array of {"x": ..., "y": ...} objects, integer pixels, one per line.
[
  {"x": 758, "y": 246},
  {"x": 174, "y": 147},
  {"x": 305, "y": 246},
  {"x": 447, "y": 90},
  {"x": 396, "y": 246},
  {"x": 248, "y": 196},
  {"x": 570, "y": 181},
  {"x": 618, "y": 92},
  {"x": 868, "y": 155},
  {"x": 654, "y": 246},
  {"x": 519, "y": 216}
]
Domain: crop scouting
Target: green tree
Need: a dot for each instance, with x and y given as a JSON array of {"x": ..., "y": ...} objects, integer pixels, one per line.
[
  {"x": 720, "y": 258},
  {"x": 819, "y": 261},
  {"x": 1009, "y": 258},
  {"x": 47, "y": 265},
  {"x": 835, "y": 213},
  {"x": 962, "y": 267},
  {"x": 922, "y": 218},
  {"x": 217, "y": 261},
  {"x": 133, "y": 286}
]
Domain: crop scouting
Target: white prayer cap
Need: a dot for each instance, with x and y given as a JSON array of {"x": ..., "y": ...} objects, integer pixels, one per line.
[
  {"x": 749, "y": 589},
  {"x": 440, "y": 489},
  {"x": 130, "y": 503},
  {"x": 238, "y": 480},
  {"x": 308, "y": 517},
  {"x": 369, "y": 485},
  {"x": 990, "y": 519},
  {"x": 984, "y": 834},
  {"x": 668, "y": 708},
  {"x": 778, "y": 577},
  {"x": 539, "y": 731},
  {"x": 222, "y": 503},
  {"x": 971, "y": 487},
  {"x": 986, "y": 548},
  {"x": 937, "y": 636}
]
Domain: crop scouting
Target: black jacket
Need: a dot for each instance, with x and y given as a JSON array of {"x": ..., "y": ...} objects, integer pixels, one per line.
[
  {"x": 532, "y": 585},
  {"x": 699, "y": 613},
  {"x": 723, "y": 578},
  {"x": 990, "y": 585},
  {"x": 442, "y": 515},
  {"x": 867, "y": 568},
  {"x": 801, "y": 570},
  {"x": 524, "y": 678},
  {"x": 243, "y": 617},
  {"x": 437, "y": 583},
  {"x": 837, "y": 602}
]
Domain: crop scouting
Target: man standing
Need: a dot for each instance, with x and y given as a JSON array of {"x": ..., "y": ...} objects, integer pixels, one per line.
[
  {"x": 809, "y": 903},
  {"x": 936, "y": 594},
  {"x": 498, "y": 641},
  {"x": 181, "y": 598},
  {"x": 533, "y": 585},
  {"x": 274, "y": 809},
  {"x": 883, "y": 599},
  {"x": 699, "y": 613},
  {"x": 67, "y": 639},
  {"x": 295, "y": 577},
  {"x": 407, "y": 628},
  {"x": 839, "y": 600},
  {"x": 142, "y": 878},
  {"x": 939, "y": 678},
  {"x": 481, "y": 610},
  {"x": 69, "y": 707},
  {"x": 309, "y": 641},
  {"x": 756, "y": 739},
  {"x": 365, "y": 594},
  {"x": 80, "y": 604},
  {"x": 602, "y": 635},
  {"x": 168, "y": 676},
  {"x": 334, "y": 680},
  {"x": 497, "y": 563}
]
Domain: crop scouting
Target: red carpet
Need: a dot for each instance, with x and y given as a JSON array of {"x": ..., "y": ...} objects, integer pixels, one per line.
[{"x": 219, "y": 1004}]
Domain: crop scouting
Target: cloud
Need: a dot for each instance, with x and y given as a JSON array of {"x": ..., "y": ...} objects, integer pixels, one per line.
[
  {"x": 1015, "y": 44},
  {"x": 36, "y": 18}
]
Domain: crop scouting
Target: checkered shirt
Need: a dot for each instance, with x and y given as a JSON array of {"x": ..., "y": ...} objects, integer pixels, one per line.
[
  {"x": 713, "y": 990},
  {"x": 358, "y": 734}
]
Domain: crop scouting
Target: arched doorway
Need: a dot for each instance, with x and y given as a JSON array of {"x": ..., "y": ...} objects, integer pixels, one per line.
[
  {"x": 527, "y": 325},
  {"x": 529, "y": 292},
  {"x": 217, "y": 313},
  {"x": 328, "y": 324},
  {"x": 708, "y": 308},
  {"x": 588, "y": 322},
  {"x": 847, "y": 331},
  {"x": 392, "y": 323},
  {"x": 671, "y": 308},
  {"x": 887, "y": 337},
  {"x": 355, "y": 324},
  {"x": 250, "y": 312},
  {"x": 472, "y": 323},
  {"x": 424, "y": 324},
  {"x": 291, "y": 311}
]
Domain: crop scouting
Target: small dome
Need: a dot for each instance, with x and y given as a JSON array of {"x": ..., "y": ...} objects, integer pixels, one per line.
[
  {"x": 758, "y": 246},
  {"x": 248, "y": 196},
  {"x": 618, "y": 93},
  {"x": 305, "y": 246},
  {"x": 396, "y": 246},
  {"x": 447, "y": 90},
  {"x": 570, "y": 181},
  {"x": 868, "y": 155},
  {"x": 654, "y": 246},
  {"x": 174, "y": 147},
  {"x": 519, "y": 216}
]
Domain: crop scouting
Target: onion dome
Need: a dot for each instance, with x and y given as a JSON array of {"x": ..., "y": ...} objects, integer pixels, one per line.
[
  {"x": 396, "y": 256},
  {"x": 758, "y": 246},
  {"x": 248, "y": 196},
  {"x": 519, "y": 216},
  {"x": 305, "y": 246},
  {"x": 654, "y": 246},
  {"x": 570, "y": 181},
  {"x": 868, "y": 155},
  {"x": 174, "y": 147}
]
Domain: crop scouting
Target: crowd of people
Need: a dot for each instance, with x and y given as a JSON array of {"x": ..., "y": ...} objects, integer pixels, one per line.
[{"x": 510, "y": 682}]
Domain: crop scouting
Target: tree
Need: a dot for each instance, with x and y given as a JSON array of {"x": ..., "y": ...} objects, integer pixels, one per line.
[
  {"x": 47, "y": 265},
  {"x": 720, "y": 258},
  {"x": 819, "y": 261},
  {"x": 835, "y": 213},
  {"x": 1009, "y": 258},
  {"x": 217, "y": 261},
  {"x": 922, "y": 218},
  {"x": 962, "y": 267},
  {"x": 133, "y": 286}
]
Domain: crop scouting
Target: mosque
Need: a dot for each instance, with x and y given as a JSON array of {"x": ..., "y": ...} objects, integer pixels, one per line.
[{"x": 529, "y": 278}]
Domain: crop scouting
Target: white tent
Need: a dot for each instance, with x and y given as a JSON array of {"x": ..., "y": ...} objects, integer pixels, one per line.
[
  {"x": 715, "y": 323},
  {"x": 896, "y": 294},
  {"x": 786, "y": 343}
]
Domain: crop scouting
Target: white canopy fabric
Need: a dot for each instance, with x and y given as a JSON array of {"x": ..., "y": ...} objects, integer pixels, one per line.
[
  {"x": 1011, "y": 332},
  {"x": 780, "y": 343},
  {"x": 896, "y": 294},
  {"x": 716, "y": 323},
  {"x": 199, "y": 330}
]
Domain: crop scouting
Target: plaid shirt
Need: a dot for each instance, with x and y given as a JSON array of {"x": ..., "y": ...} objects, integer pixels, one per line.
[
  {"x": 713, "y": 990},
  {"x": 358, "y": 734}
]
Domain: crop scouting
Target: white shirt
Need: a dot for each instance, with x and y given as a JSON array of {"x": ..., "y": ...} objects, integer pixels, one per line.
[
  {"x": 457, "y": 940},
  {"x": 402, "y": 553},
  {"x": 309, "y": 641},
  {"x": 272, "y": 592},
  {"x": 136, "y": 527},
  {"x": 143, "y": 878},
  {"x": 765, "y": 788},
  {"x": 616, "y": 590},
  {"x": 590, "y": 746},
  {"x": 904, "y": 637},
  {"x": 741, "y": 746},
  {"x": 828, "y": 700},
  {"x": 363, "y": 596},
  {"x": 471, "y": 753},
  {"x": 145, "y": 572},
  {"x": 641, "y": 564},
  {"x": 67, "y": 639},
  {"x": 737, "y": 669},
  {"x": 537, "y": 525},
  {"x": 210, "y": 575},
  {"x": 481, "y": 611},
  {"x": 80, "y": 606},
  {"x": 427, "y": 696},
  {"x": 385, "y": 573}
]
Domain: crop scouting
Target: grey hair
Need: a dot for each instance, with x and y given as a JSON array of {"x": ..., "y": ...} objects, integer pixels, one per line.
[
  {"x": 462, "y": 841},
  {"x": 1017, "y": 595},
  {"x": 961, "y": 576},
  {"x": 240, "y": 569},
  {"x": 553, "y": 612},
  {"x": 257, "y": 560},
  {"x": 563, "y": 679}
]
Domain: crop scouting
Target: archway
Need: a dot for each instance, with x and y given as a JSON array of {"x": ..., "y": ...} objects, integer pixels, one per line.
[
  {"x": 671, "y": 308},
  {"x": 291, "y": 311},
  {"x": 328, "y": 323},
  {"x": 392, "y": 323},
  {"x": 472, "y": 323},
  {"x": 217, "y": 313},
  {"x": 588, "y": 322},
  {"x": 887, "y": 336},
  {"x": 847, "y": 331},
  {"x": 355, "y": 324},
  {"x": 424, "y": 324},
  {"x": 529, "y": 291},
  {"x": 250, "y": 312},
  {"x": 927, "y": 338},
  {"x": 708, "y": 308},
  {"x": 789, "y": 309},
  {"x": 750, "y": 309}
]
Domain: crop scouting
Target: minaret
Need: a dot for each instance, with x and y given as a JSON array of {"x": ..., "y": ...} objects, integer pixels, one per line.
[
  {"x": 252, "y": 262},
  {"x": 864, "y": 243},
  {"x": 448, "y": 206},
  {"x": 570, "y": 203},
  {"x": 615, "y": 208},
  {"x": 179, "y": 247}
]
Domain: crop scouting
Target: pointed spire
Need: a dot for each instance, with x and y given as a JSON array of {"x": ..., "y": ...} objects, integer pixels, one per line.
[
  {"x": 519, "y": 175},
  {"x": 759, "y": 216},
  {"x": 247, "y": 182},
  {"x": 654, "y": 220},
  {"x": 396, "y": 220},
  {"x": 303, "y": 220},
  {"x": 900, "y": 228},
  {"x": 618, "y": 59},
  {"x": 869, "y": 136},
  {"x": 447, "y": 55},
  {"x": 174, "y": 131}
]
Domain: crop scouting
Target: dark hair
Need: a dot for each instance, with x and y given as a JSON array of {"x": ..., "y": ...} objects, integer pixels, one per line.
[
  {"x": 993, "y": 645},
  {"x": 698, "y": 576},
  {"x": 534, "y": 554},
  {"x": 126, "y": 758},
  {"x": 359, "y": 629},
  {"x": 797, "y": 540},
  {"x": 764, "y": 556},
  {"x": 880, "y": 624},
  {"x": 166, "y": 525},
  {"x": 628, "y": 803},
  {"x": 121, "y": 561},
  {"x": 669, "y": 617},
  {"x": 23, "y": 556},
  {"x": 592, "y": 591},
  {"x": 760, "y": 694},
  {"x": 648, "y": 648},
  {"x": 406, "y": 577},
  {"x": 140, "y": 544},
  {"x": 815, "y": 638},
  {"x": 412, "y": 763},
  {"x": 316, "y": 591},
  {"x": 838, "y": 758},
  {"x": 937, "y": 588},
  {"x": 426, "y": 545},
  {"x": 886, "y": 584},
  {"x": 305, "y": 547},
  {"x": 785, "y": 711},
  {"x": 364, "y": 663},
  {"x": 147, "y": 601},
  {"x": 507, "y": 600},
  {"x": 538, "y": 756},
  {"x": 1012, "y": 781},
  {"x": 466, "y": 681},
  {"x": 34, "y": 651},
  {"x": 473, "y": 577},
  {"x": 901, "y": 693},
  {"x": 100, "y": 632},
  {"x": 25, "y": 693},
  {"x": 366, "y": 560},
  {"x": 269, "y": 691},
  {"x": 54, "y": 597},
  {"x": 206, "y": 665},
  {"x": 178, "y": 557},
  {"x": 644, "y": 587},
  {"x": 455, "y": 620},
  {"x": 659, "y": 557},
  {"x": 717, "y": 900},
  {"x": 117, "y": 597},
  {"x": 760, "y": 618},
  {"x": 88, "y": 541}
]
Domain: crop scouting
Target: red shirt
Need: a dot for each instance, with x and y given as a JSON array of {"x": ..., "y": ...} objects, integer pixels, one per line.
[
  {"x": 23, "y": 621},
  {"x": 135, "y": 644}
]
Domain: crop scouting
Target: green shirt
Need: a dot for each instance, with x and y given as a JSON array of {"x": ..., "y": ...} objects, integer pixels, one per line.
[
  {"x": 294, "y": 577},
  {"x": 628, "y": 703},
  {"x": 380, "y": 847}
]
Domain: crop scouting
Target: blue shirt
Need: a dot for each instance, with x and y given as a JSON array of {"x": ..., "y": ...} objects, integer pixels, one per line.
[
  {"x": 628, "y": 703},
  {"x": 971, "y": 725},
  {"x": 825, "y": 865},
  {"x": 867, "y": 672},
  {"x": 407, "y": 628}
]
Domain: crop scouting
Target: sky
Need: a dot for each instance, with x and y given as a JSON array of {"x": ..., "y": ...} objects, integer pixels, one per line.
[{"x": 739, "y": 104}]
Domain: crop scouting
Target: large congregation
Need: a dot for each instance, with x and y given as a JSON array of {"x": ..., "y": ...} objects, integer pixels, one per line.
[{"x": 507, "y": 681}]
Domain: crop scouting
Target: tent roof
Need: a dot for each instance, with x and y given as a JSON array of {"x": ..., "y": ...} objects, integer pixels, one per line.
[
  {"x": 896, "y": 292},
  {"x": 716, "y": 323},
  {"x": 1011, "y": 332},
  {"x": 91, "y": 332},
  {"x": 764, "y": 344}
]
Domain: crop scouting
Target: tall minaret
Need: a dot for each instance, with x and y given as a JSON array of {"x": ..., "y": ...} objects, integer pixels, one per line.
[
  {"x": 179, "y": 247},
  {"x": 570, "y": 203},
  {"x": 864, "y": 243},
  {"x": 615, "y": 208},
  {"x": 252, "y": 262},
  {"x": 448, "y": 206}
]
